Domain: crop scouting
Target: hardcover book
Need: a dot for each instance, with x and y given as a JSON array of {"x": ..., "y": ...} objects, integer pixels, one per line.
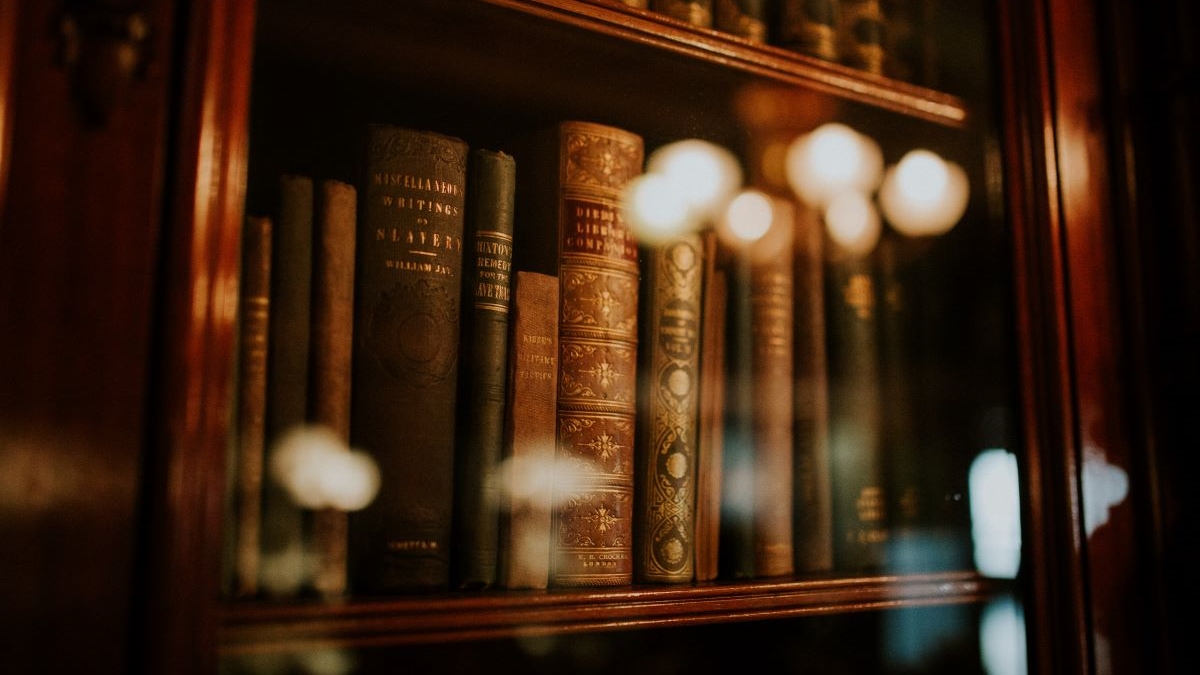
[
  {"x": 855, "y": 416},
  {"x": 694, "y": 12},
  {"x": 408, "y": 291},
  {"x": 860, "y": 35},
  {"x": 285, "y": 543},
  {"x": 667, "y": 439},
  {"x": 335, "y": 221},
  {"x": 809, "y": 27},
  {"x": 252, "y": 401},
  {"x": 709, "y": 454},
  {"x": 484, "y": 369},
  {"x": 747, "y": 19},
  {"x": 569, "y": 191},
  {"x": 531, "y": 418}
]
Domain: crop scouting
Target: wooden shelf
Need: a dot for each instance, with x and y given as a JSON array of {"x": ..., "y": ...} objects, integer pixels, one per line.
[{"x": 263, "y": 628}]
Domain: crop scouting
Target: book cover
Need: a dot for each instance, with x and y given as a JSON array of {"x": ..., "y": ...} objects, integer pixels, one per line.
[
  {"x": 694, "y": 12},
  {"x": 285, "y": 544},
  {"x": 334, "y": 225},
  {"x": 529, "y": 442},
  {"x": 812, "y": 496},
  {"x": 747, "y": 19},
  {"x": 855, "y": 415},
  {"x": 491, "y": 188},
  {"x": 252, "y": 401},
  {"x": 577, "y": 232},
  {"x": 408, "y": 291},
  {"x": 711, "y": 411},
  {"x": 667, "y": 438},
  {"x": 809, "y": 27}
]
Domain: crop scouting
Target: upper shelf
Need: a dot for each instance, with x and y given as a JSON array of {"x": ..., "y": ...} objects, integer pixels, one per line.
[
  {"x": 260, "y": 628},
  {"x": 546, "y": 58}
]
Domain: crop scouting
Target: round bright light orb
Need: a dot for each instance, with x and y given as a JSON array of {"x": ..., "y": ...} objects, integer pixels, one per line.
[
  {"x": 924, "y": 195},
  {"x": 831, "y": 159},
  {"x": 656, "y": 208},
  {"x": 319, "y": 470},
  {"x": 853, "y": 222},
  {"x": 705, "y": 173},
  {"x": 747, "y": 217}
]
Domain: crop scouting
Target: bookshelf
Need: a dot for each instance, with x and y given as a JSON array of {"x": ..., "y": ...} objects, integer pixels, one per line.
[{"x": 233, "y": 93}]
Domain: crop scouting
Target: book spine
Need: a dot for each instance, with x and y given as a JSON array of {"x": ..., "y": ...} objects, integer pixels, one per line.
[
  {"x": 712, "y": 409},
  {"x": 809, "y": 27},
  {"x": 667, "y": 440},
  {"x": 812, "y": 495},
  {"x": 252, "y": 401},
  {"x": 335, "y": 222},
  {"x": 859, "y": 501},
  {"x": 284, "y": 541},
  {"x": 771, "y": 324},
  {"x": 531, "y": 414},
  {"x": 408, "y": 293},
  {"x": 484, "y": 368},
  {"x": 747, "y": 19},
  {"x": 694, "y": 12},
  {"x": 860, "y": 34},
  {"x": 597, "y": 383}
]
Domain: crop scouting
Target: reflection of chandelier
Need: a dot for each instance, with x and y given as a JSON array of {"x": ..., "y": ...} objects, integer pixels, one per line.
[{"x": 833, "y": 169}]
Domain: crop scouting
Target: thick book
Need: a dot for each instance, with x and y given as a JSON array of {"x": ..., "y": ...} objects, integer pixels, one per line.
[
  {"x": 855, "y": 415},
  {"x": 408, "y": 292},
  {"x": 809, "y": 27},
  {"x": 569, "y": 190},
  {"x": 335, "y": 206},
  {"x": 812, "y": 497},
  {"x": 253, "y": 329},
  {"x": 668, "y": 423},
  {"x": 531, "y": 415},
  {"x": 694, "y": 12},
  {"x": 709, "y": 419},
  {"x": 747, "y": 19},
  {"x": 285, "y": 543},
  {"x": 483, "y": 372}
]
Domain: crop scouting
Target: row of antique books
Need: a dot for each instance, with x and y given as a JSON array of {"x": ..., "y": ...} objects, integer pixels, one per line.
[
  {"x": 886, "y": 37},
  {"x": 544, "y": 400}
]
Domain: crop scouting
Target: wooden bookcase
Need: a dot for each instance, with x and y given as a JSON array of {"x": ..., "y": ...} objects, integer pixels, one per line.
[{"x": 119, "y": 330}]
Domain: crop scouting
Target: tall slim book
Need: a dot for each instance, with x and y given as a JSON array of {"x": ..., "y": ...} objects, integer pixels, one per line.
[
  {"x": 491, "y": 179},
  {"x": 334, "y": 224},
  {"x": 569, "y": 190},
  {"x": 527, "y": 474},
  {"x": 709, "y": 451},
  {"x": 285, "y": 544},
  {"x": 408, "y": 290},
  {"x": 668, "y": 430},
  {"x": 252, "y": 401}
]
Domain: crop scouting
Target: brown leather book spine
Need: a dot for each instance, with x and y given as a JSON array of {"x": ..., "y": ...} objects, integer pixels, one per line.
[
  {"x": 811, "y": 490},
  {"x": 334, "y": 225},
  {"x": 284, "y": 540},
  {"x": 809, "y": 27},
  {"x": 484, "y": 368},
  {"x": 408, "y": 293},
  {"x": 577, "y": 196},
  {"x": 860, "y": 35},
  {"x": 747, "y": 19},
  {"x": 252, "y": 401},
  {"x": 771, "y": 324},
  {"x": 712, "y": 410},
  {"x": 531, "y": 417},
  {"x": 694, "y": 12},
  {"x": 667, "y": 439}
]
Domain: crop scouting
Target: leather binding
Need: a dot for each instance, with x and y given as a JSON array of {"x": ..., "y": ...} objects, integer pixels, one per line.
[
  {"x": 572, "y": 180},
  {"x": 668, "y": 428},
  {"x": 747, "y": 19},
  {"x": 531, "y": 418},
  {"x": 693, "y": 12},
  {"x": 483, "y": 373},
  {"x": 408, "y": 293},
  {"x": 711, "y": 410},
  {"x": 809, "y": 27},
  {"x": 860, "y": 35},
  {"x": 334, "y": 224},
  {"x": 251, "y": 401}
]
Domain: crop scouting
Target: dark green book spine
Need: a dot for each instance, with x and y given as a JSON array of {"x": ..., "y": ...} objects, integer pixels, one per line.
[
  {"x": 484, "y": 368},
  {"x": 408, "y": 296},
  {"x": 859, "y": 499}
]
